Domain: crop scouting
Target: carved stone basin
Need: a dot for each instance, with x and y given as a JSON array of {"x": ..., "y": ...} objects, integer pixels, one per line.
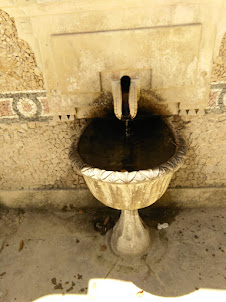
[{"x": 128, "y": 166}]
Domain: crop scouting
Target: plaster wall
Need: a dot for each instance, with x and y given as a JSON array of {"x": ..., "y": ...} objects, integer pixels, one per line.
[
  {"x": 34, "y": 155},
  {"x": 18, "y": 67},
  {"x": 40, "y": 115},
  {"x": 111, "y": 36}
]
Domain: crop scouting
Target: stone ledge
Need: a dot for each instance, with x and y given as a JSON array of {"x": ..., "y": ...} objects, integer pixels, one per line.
[
  {"x": 80, "y": 198},
  {"x": 194, "y": 197}
]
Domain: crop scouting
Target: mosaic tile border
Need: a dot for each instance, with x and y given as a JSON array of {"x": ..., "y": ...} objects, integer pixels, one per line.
[
  {"x": 32, "y": 105},
  {"x": 24, "y": 106},
  {"x": 217, "y": 98}
]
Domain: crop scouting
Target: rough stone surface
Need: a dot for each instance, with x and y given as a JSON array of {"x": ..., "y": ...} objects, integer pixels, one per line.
[
  {"x": 206, "y": 155},
  {"x": 18, "y": 68},
  {"x": 34, "y": 155},
  {"x": 219, "y": 65},
  {"x": 59, "y": 252}
]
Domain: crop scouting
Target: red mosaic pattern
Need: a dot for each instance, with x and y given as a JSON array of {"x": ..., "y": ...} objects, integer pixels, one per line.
[
  {"x": 27, "y": 107},
  {"x": 24, "y": 105},
  {"x": 5, "y": 108},
  {"x": 213, "y": 97},
  {"x": 45, "y": 105}
]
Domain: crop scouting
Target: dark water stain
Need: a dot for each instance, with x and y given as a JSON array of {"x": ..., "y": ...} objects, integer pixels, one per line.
[
  {"x": 64, "y": 208},
  {"x": 104, "y": 219},
  {"x": 150, "y": 215},
  {"x": 153, "y": 216},
  {"x": 101, "y": 227},
  {"x": 2, "y": 274},
  {"x": 58, "y": 286}
]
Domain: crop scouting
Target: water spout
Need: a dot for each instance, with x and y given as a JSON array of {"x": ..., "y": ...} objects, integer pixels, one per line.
[
  {"x": 126, "y": 93},
  {"x": 125, "y": 86}
]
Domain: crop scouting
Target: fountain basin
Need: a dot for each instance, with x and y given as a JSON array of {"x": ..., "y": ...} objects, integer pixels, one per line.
[
  {"x": 116, "y": 174},
  {"x": 127, "y": 190}
]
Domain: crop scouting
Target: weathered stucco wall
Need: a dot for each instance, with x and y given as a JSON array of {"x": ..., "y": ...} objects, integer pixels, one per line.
[
  {"x": 18, "y": 68},
  {"x": 35, "y": 155},
  {"x": 219, "y": 64},
  {"x": 206, "y": 155},
  {"x": 176, "y": 41}
]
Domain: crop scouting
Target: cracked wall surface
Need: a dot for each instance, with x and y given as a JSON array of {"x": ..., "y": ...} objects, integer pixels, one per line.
[
  {"x": 219, "y": 64},
  {"x": 205, "y": 163},
  {"x": 34, "y": 155},
  {"x": 18, "y": 68}
]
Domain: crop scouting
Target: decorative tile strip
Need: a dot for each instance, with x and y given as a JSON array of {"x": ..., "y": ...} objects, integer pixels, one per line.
[
  {"x": 217, "y": 101},
  {"x": 32, "y": 105},
  {"x": 24, "y": 106}
]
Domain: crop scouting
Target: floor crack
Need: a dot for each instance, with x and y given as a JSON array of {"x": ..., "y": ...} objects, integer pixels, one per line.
[
  {"x": 111, "y": 269},
  {"x": 150, "y": 271}
]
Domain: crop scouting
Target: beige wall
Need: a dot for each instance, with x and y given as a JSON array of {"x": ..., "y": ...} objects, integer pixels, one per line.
[
  {"x": 206, "y": 156},
  {"x": 36, "y": 133},
  {"x": 176, "y": 40},
  {"x": 35, "y": 155},
  {"x": 18, "y": 68},
  {"x": 219, "y": 63}
]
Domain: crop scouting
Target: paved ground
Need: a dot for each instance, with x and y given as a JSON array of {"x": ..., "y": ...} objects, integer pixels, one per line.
[{"x": 44, "y": 253}]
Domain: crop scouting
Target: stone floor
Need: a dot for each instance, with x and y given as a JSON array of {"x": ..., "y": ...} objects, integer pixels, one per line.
[{"x": 58, "y": 253}]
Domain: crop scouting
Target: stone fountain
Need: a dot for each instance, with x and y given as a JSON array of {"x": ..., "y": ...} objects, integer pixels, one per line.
[{"x": 127, "y": 163}]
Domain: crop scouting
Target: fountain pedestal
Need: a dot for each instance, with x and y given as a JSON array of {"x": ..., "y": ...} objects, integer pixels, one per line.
[
  {"x": 126, "y": 190},
  {"x": 130, "y": 237}
]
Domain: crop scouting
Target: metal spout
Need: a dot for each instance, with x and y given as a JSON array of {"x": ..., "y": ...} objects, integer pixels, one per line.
[{"x": 126, "y": 93}]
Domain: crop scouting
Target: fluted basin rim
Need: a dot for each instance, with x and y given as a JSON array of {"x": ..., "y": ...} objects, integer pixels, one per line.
[{"x": 170, "y": 166}]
